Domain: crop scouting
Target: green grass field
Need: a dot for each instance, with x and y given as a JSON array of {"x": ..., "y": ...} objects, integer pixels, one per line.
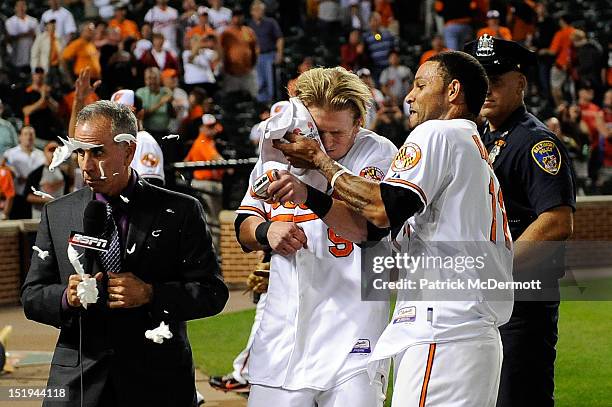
[{"x": 584, "y": 351}]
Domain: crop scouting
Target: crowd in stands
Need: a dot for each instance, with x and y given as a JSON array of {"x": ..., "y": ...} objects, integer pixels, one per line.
[{"x": 209, "y": 70}]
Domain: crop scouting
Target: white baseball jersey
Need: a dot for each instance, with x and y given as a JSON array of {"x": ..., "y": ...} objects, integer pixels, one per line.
[
  {"x": 316, "y": 332},
  {"x": 445, "y": 164},
  {"x": 64, "y": 23},
  {"x": 219, "y": 19},
  {"x": 148, "y": 159},
  {"x": 21, "y": 47},
  {"x": 164, "y": 21}
]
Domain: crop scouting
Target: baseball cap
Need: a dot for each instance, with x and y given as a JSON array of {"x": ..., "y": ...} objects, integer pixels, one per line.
[
  {"x": 39, "y": 69},
  {"x": 492, "y": 14},
  {"x": 278, "y": 107},
  {"x": 169, "y": 73},
  {"x": 203, "y": 10},
  {"x": 363, "y": 72},
  {"x": 124, "y": 97},
  {"x": 499, "y": 56},
  {"x": 208, "y": 119}
]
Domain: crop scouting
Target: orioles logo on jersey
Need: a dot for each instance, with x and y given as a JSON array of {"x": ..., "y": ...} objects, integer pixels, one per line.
[
  {"x": 149, "y": 160},
  {"x": 547, "y": 156},
  {"x": 372, "y": 173},
  {"x": 406, "y": 158}
]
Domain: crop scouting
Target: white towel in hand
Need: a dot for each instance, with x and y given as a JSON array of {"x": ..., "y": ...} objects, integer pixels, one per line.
[{"x": 295, "y": 118}]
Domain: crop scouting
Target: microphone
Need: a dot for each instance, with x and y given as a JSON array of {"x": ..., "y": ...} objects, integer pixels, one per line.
[{"x": 94, "y": 219}]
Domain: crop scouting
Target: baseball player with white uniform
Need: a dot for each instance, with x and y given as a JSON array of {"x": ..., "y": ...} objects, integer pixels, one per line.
[
  {"x": 148, "y": 158},
  {"x": 316, "y": 335},
  {"x": 440, "y": 188}
]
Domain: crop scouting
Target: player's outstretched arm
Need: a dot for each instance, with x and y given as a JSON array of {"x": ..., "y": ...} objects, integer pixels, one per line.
[
  {"x": 338, "y": 216},
  {"x": 360, "y": 195}
]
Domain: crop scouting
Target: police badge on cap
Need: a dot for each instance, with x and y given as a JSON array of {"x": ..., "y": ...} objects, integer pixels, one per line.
[{"x": 499, "y": 56}]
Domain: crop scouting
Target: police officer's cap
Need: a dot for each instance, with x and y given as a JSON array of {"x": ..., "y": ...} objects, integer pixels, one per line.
[{"x": 499, "y": 56}]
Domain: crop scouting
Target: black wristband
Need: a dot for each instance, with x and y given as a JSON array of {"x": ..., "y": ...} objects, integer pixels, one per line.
[
  {"x": 318, "y": 202},
  {"x": 261, "y": 233}
]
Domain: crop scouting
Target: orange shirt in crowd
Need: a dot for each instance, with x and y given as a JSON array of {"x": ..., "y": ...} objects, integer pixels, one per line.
[
  {"x": 65, "y": 108},
  {"x": 198, "y": 30},
  {"x": 84, "y": 53},
  {"x": 502, "y": 32},
  {"x": 428, "y": 54},
  {"x": 521, "y": 28},
  {"x": 386, "y": 13},
  {"x": 239, "y": 50},
  {"x": 204, "y": 149},
  {"x": 196, "y": 112},
  {"x": 7, "y": 188},
  {"x": 561, "y": 46},
  {"x": 128, "y": 28},
  {"x": 589, "y": 117}
]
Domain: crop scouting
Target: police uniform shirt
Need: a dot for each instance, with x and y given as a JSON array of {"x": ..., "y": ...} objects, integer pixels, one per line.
[{"x": 533, "y": 169}]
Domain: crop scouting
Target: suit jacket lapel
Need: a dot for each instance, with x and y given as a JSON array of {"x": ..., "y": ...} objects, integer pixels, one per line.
[{"x": 139, "y": 224}]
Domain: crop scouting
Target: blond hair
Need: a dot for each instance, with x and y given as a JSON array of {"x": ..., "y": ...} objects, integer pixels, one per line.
[{"x": 333, "y": 89}]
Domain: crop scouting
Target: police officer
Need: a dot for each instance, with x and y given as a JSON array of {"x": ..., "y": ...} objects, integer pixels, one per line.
[{"x": 538, "y": 188}]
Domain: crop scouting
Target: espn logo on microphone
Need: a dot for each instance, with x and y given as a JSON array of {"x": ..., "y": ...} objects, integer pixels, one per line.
[{"x": 88, "y": 242}]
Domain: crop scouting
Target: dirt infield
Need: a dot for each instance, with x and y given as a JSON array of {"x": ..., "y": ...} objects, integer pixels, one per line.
[{"x": 33, "y": 343}]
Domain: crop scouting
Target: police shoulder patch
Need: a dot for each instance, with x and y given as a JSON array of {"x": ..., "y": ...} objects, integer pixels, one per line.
[
  {"x": 373, "y": 173},
  {"x": 406, "y": 158},
  {"x": 547, "y": 156}
]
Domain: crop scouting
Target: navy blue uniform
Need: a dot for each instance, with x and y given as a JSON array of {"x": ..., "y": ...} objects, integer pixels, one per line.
[
  {"x": 535, "y": 175},
  {"x": 533, "y": 169}
]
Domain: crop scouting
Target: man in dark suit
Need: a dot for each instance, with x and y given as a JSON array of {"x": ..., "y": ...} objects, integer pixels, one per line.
[{"x": 165, "y": 270}]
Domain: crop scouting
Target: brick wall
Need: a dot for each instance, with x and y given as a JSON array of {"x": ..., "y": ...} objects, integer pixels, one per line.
[
  {"x": 592, "y": 233},
  {"x": 236, "y": 264},
  {"x": 10, "y": 262},
  {"x": 593, "y": 218}
]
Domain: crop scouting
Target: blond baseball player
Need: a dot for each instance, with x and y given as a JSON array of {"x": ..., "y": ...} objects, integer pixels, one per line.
[
  {"x": 316, "y": 335},
  {"x": 442, "y": 189}
]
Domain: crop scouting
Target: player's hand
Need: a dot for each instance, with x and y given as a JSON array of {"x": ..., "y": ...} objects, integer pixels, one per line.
[
  {"x": 286, "y": 238},
  {"x": 287, "y": 188},
  {"x": 83, "y": 87},
  {"x": 301, "y": 152},
  {"x": 125, "y": 290},
  {"x": 73, "y": 282}
]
